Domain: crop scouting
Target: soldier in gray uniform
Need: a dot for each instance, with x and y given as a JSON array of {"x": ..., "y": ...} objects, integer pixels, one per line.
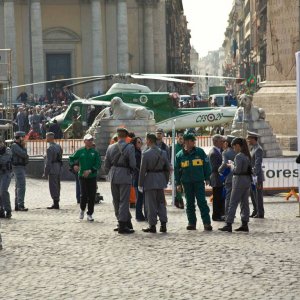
[
  {"x": 256, "y": 194},
  {"x": 19, "y": 162},
  {"x": 5, "y": 177},
  {"x": 228, "y": 156},
  {"x": 153, "y": 178},
  {"x": 241, "y": 183},
  {"x": 119, "y": 163},
  {"x": 52, "y": 170}
]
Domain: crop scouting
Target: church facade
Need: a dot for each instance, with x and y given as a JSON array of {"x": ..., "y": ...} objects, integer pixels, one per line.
[{"x": 55, "y": 39}]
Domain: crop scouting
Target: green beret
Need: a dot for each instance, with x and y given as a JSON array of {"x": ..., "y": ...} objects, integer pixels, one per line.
[{"x": 189, "y": 136}]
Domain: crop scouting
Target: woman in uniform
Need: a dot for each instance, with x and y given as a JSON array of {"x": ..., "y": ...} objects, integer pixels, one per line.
[{"x": 241, "y": 183}]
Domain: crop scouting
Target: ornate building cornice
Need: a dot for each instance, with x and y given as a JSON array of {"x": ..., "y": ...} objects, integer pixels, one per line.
[{"x": 150, "y": 3}]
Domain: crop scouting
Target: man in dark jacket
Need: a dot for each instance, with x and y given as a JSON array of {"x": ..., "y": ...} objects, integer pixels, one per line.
[
  {"x": 215, "y": 159},
  {"x": 160, "y": 143},
  {"x": 55, "y": 128}
]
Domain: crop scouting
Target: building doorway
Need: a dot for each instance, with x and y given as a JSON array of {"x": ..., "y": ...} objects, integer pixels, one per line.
[{"x": 58, "y": 66}]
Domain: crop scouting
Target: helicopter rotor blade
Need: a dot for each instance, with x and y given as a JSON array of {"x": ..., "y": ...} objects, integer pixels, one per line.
[
  {"x": 52, "y": 81},
  {"x": 98, "y": 78},
  {"x": 194, "y": 76},
  {"x": 160, "y": 77}
]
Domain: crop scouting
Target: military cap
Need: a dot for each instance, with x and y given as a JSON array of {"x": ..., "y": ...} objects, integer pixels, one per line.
[
  {"x": 252, "y": 134},
  {"x": 19, "y": 134},
  {"x": 50, "y": 133},
  {"x": 88, "y": 137},
  {"x": 189, "y": 136},
  {"x": 122, "y": 129},
  {"x": 159, "y": 130},
  {"x": 152, "y": 137}
]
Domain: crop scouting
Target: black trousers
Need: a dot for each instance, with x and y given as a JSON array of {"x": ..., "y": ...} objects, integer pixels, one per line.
[
  {"x": 88, "y": 193},
  {"x": 218, "y": 202}
]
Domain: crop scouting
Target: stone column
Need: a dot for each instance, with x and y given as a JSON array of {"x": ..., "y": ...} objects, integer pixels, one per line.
[
  {"x": 278, "y": 95},
  {"x": 122, "y": 29},
  {"x": 97, "y": 44},
  {"x": 37, "y": 48},
  {"x": 10, "y": 40},
  {"x": 149, "y": 41}
]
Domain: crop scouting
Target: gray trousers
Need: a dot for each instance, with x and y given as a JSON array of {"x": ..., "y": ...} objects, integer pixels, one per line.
[
  {"x": 228, "y": 188},
  {"x": 239, "y": 195},
  {"x": 54, "y": 186},
  {"x": 19, "y": 172},
  {"x": 5, "y": 179},
  {"x": 156, "y": 206},
  {"x": 121, "y": 194},
  {"x": 257, "y": 199}
]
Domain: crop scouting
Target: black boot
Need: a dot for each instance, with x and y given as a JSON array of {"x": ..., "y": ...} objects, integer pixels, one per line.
[
  {"x": 2, "y": 214},
  {"x": 22, "y": 208},
  {"x": 243, "y": 228},
  {"x": 163, "y": 227},
  {"x": 191, "y": 227},
  {"x": 8, "y": 215},
  {"x": 55, "y": 205},
  {"x": 227, "y": 227},
  {"x": 181, "y": 204},
  {"x": 116, "y": 228},
  {"x": 129, "y": 224},
  {"x": 254, "y": 213},
  {"x": 123, "y": 228},
  {"x": 151, "y": 229},
  {"x": 208, "y": 227}
]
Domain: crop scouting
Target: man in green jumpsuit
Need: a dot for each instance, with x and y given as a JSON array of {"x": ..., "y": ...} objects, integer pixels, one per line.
[{"x": 192, "y": 169}]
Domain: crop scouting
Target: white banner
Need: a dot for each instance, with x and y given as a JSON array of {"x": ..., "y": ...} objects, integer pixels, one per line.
[{"x": 280, "y": 172}]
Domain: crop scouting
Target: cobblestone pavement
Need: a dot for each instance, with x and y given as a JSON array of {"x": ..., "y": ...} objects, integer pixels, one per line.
[{"x": 53, "y": 255}]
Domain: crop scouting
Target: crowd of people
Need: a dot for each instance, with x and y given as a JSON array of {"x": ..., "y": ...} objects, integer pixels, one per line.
[
  {"x": 232, "y": 170},
  {"x": 34, "y": 120}
]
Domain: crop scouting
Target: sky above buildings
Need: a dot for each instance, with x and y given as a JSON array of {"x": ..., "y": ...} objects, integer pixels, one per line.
[{"x": 207, "y": 20}]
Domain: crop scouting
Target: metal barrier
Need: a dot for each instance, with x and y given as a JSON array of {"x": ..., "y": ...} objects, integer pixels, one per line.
[
  {"x": 39, "y": 147},
  {"x": 69, "y": 146},
  {"x": 201, "y": 141}
]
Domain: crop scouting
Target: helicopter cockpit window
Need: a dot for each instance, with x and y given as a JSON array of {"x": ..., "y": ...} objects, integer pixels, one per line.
[
  {"x": 219, "y": 101},
  {"x": 76, "y": 111}
]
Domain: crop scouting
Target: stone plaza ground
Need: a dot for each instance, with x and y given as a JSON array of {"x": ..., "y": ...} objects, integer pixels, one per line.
[{"x": 54, "y": 255}]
